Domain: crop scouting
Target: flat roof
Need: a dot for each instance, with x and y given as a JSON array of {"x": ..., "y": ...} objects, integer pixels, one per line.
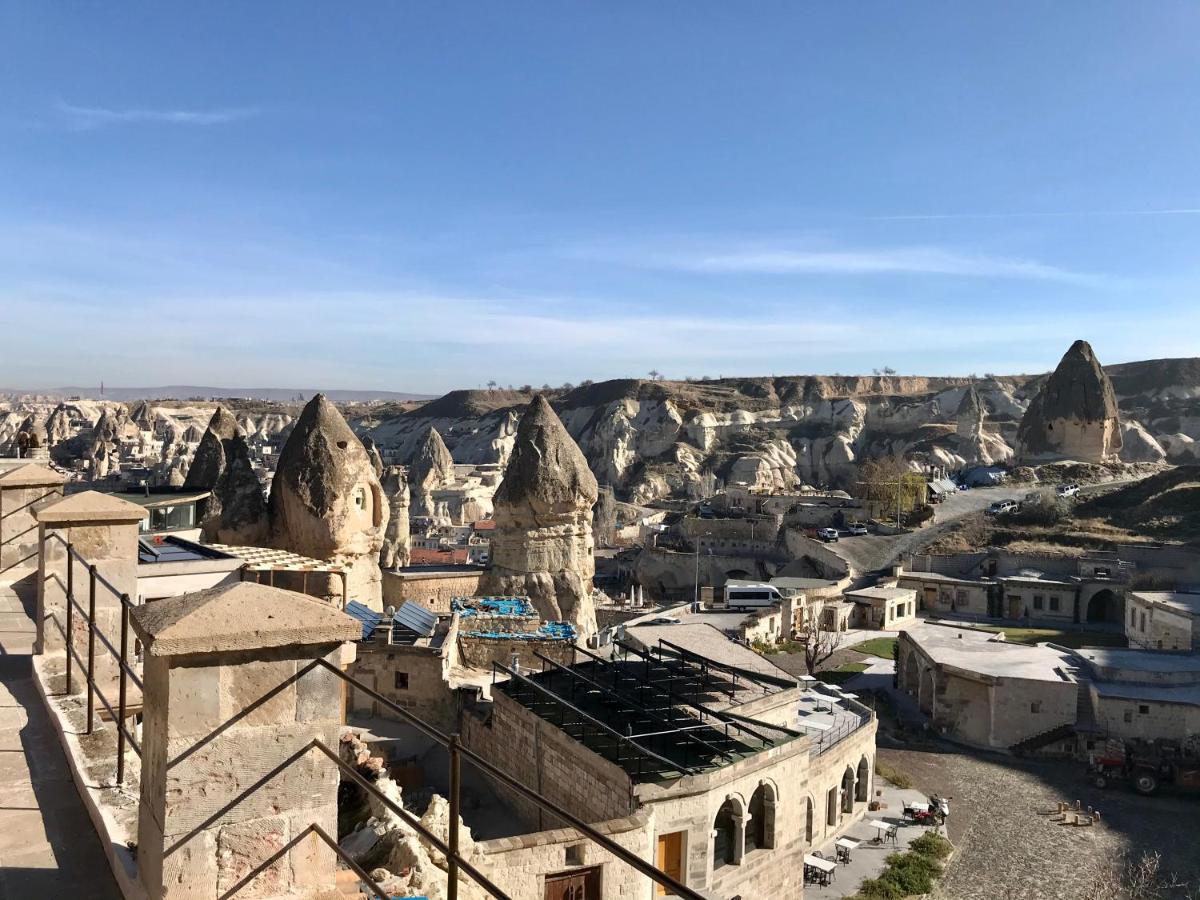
[
  {"x": 1177, "y": 600},
  {"x": 1141, "y": 660},
  {"x": 170, "y": 548},
  {"x": 979, "y": 651},
  {"x": 794, "y": 581},
  {"x": 705, "y": 639},
  {"x": 154, "y": 501},
  {"x": 949, "y": 579},
  {"x": 881, "y": 593},
  {"x": 1035, "y": 579}
]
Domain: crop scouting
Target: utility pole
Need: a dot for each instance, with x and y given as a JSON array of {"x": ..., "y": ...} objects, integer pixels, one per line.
[{"x": 696, "y": 577}]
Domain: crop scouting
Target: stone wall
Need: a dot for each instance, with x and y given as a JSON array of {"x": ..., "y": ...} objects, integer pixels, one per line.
[
  {"x": 546, "y": 760},
  {"x": 519, "y": 865},
  {"x": 20, "y": 491},
  {"x": 1155, "y": 627},
  {"x": 185, "y": 853},
  {"x": 433, "y": 590},
  {"x": 1145, "y": 719},
  {"x": 480, "y": 652},
  {"x": 411, "y": 677}
]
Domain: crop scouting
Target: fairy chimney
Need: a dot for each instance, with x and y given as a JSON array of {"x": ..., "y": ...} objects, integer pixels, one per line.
[
  {"x": 396, "y": 551},
  {"x": 1074, "y": 416},
  {"x": 542, "y": 546},
  {"x": 432, "y": 470},
  {"x": 236, "y": 511},
  {"x": 326, "y": 500}
]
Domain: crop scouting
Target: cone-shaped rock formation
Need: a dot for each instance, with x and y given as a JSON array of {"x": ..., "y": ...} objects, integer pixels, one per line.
[
  {"x": 1075, "y": 414},
  {"x": 236, "y": 512},
  {"x": 542, "y": 546},
  {"x": 326, "y": 500},
  {"x": 432, "y": 470}
]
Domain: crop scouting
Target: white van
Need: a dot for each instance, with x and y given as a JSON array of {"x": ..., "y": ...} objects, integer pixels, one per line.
[{"x": 751, "y": 595}]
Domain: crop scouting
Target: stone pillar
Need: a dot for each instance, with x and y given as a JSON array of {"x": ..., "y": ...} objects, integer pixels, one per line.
[
  {"x": 739, "y": 837},
  {"x": 104, "y": 531},
  {"x": 21, "y": 489},
  {"x": 233, "y": 696}
]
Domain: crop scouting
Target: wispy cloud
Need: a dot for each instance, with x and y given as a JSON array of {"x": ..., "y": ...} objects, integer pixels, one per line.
[
  {"x": 784, "y": 259},
  {"x": 1059, "y": 214},
  {"x": 88, "y": 117}
]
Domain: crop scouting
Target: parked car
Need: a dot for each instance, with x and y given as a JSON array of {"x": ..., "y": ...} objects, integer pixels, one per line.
[
  {"x": 1067, "y": 490},
  {"x": 663, "y": 620},
  {"x": 828, "y": 535},
  {"x": 1002, "y": 507},
  {"x": 856, "y": 528}
]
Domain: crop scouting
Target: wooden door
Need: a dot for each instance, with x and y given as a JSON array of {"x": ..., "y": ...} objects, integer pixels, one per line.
[
  {"x": 581, "y": 884},
  {"x": 670, "y": 858}
]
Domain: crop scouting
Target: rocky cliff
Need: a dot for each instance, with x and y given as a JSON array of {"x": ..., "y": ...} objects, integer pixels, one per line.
[{"x": 652, "y": 439}]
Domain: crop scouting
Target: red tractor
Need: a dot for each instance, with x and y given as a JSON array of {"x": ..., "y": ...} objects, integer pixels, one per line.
[{"x": 1146, "y": 768}]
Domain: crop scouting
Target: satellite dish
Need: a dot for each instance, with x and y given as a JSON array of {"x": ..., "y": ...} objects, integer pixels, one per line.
[{"x": 390, "y": 611}]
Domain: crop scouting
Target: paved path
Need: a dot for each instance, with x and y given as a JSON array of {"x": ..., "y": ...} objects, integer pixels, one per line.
[{"x": 48, "y": 847}]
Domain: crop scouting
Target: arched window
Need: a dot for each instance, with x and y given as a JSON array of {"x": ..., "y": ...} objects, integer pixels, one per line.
[
  {"x": 848, "y": 790},
  {"x": 809, "y": 812},
  {"x": 862, "y": 783},
  {"x": 724, "y": 835}
]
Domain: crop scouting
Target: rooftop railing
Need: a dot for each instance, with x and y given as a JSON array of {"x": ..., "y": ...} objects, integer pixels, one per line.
[{"x": 126, "y": 671}]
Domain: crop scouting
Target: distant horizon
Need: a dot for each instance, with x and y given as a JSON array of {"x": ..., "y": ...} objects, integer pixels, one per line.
[{"x": 216, "y": 392}]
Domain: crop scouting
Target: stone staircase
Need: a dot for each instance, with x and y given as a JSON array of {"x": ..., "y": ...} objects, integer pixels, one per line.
[{"x": 1043, "y": 739}]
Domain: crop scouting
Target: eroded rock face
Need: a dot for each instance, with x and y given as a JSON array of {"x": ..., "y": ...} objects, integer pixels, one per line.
[
  {"x": 542, "y": 546},
  {"x": 326, "y": 500},
  {"x": 396, "y": 551},
  {"x": 1075, "y": 414},
  {"x": 236, "y": 512},
  {"x": 432, "y": 470}
]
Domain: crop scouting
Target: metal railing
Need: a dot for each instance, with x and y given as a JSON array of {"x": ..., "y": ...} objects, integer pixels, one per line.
[
  {"x": 126, "y": 671},
  {"x": 455, "y": 862}
]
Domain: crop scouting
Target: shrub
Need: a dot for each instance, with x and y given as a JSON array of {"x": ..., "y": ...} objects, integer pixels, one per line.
[
  {"x": 879, "y": 889},
  {"x": 892, "y": 774},
  {"x": 932, "y": 846},
  {"x": 912, "y": 873}
]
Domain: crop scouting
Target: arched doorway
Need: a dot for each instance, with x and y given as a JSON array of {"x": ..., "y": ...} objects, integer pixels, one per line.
[
  {"x": 862, "y": 781},
  {"x": 760, "y": 831},
  {"x": 925, "y": 695},
  {"x": 725, "y": 834},
  {"x": 848, "y": 790},
  {"x": 1104, "y": 606},
  {"x": 737, "y": 575}
]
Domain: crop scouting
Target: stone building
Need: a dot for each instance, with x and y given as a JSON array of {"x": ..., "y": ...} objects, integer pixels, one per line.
[
  {"x": 883, "y": 608},
  {"x": 1074, "y": 416},
  {"x": 729, "y": 808},
  {"x": 1163, "y": 620},
  {"x": 542, "y": 545},
  {"x": 326, "y": 500}
]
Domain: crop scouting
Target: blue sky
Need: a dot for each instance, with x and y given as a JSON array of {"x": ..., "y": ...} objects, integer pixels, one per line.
[{"x": 427, "y": 196}]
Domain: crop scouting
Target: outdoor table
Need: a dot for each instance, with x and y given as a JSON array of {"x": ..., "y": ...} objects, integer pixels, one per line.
[
  {"x": 844, "y": 846},
  {"x": 881, "y": 828},
  {"x": 825, "y": 868}
]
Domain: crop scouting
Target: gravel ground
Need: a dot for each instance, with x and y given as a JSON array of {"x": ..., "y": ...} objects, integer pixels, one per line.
[{"x": 1008, "y": 850}]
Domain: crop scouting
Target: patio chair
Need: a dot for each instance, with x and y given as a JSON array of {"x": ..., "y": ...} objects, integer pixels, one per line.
[{"x": 890, "y": 834}]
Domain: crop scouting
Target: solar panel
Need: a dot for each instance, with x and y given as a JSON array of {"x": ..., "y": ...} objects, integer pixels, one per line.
[
  {"x": 367, "y": 616},
  {"x": 416, "y": 618}
]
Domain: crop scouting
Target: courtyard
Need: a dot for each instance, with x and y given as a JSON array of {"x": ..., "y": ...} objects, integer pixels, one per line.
[{"x": 1006, "y": 848}]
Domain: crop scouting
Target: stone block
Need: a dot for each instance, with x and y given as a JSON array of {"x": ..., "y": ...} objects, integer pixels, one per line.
[
  {"x": 214, "y": 779},
  {"x": 246, "y": 845},
  {"x": 312, "y": 860},
  {"x": 188, "y": 873},
  {"x": 252, "y": 691},
  {"x": 319, "y": 694},
  {"x": 194, "y": 704}
]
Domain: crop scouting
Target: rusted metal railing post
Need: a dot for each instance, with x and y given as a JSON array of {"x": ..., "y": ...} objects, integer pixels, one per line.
[
  {"x": 91, "y": 667},
  {"x": 452, "y": 835},
  {"x": 70, "y": 609},
  {"x": 122, "y": 689}
]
